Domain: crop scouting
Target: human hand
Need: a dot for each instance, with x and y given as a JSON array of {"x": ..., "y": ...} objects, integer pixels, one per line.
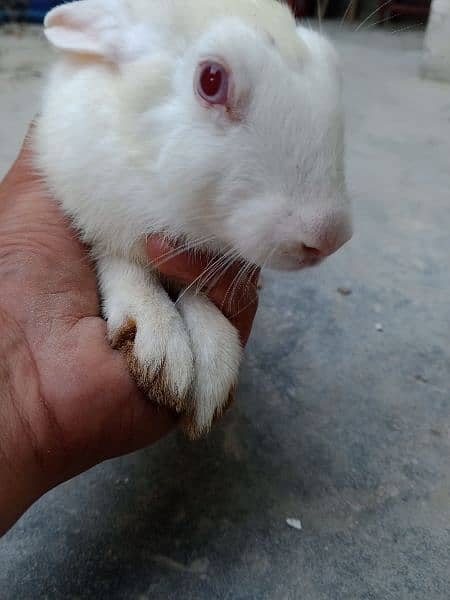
[{"x": 67, "y": 401}]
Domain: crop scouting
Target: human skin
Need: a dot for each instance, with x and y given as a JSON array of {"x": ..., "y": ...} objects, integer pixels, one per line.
[{"x": 67, "y": 401}]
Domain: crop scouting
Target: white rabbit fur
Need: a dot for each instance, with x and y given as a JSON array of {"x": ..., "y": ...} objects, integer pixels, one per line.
[{"x": 128, "y": 150}]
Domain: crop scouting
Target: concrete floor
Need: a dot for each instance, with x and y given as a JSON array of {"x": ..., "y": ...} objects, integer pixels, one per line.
[{"x": 337, "y": 424}]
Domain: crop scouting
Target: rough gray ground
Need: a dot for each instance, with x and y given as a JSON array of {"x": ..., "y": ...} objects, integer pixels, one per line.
[{"x": 337, "y": 424}]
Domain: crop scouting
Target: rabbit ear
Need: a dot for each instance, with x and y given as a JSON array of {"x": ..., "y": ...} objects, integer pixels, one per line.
[{"x": 92, "y": 27}]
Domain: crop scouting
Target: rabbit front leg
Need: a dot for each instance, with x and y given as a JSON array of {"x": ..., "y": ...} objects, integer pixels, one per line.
[
  {"x": 145, "y": 326},
  {"x": 217, "y": 355}
]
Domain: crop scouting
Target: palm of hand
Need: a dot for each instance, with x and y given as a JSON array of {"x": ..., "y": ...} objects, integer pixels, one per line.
[{"x": 81, "y": 405}]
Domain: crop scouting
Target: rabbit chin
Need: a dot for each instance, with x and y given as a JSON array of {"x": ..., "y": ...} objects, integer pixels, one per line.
[
  {"x": 292, "y": 263},
  {"x": 282, "y": 262},
  {"x": 279, "y": 260}
]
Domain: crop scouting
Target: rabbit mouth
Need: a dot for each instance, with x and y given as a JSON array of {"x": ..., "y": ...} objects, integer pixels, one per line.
[{"x": 286, "y": 262}]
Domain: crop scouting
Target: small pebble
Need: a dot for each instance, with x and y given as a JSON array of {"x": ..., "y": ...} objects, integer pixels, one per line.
[
  {"x": 378, "y": 326},
  {"x": 344, "y": 291},
  {"x": 295, "y": 523}
]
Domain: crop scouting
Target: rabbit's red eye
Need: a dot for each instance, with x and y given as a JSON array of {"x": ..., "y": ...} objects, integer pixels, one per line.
[{"x": 212, "y": 83}]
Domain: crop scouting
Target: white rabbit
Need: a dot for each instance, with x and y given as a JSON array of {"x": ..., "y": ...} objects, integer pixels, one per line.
[{"x": 214, "y": 122}]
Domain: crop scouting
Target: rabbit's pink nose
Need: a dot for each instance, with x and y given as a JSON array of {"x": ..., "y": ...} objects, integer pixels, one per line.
[
  {"x": 310, "y": 252},
  {"x": 325, "y": 234},
  {"x": 302, "y": 253}
]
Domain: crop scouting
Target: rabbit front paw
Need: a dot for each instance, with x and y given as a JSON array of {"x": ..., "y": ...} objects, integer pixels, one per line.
[
  {"x": 159, "y": 358},
  {"x": 217, "y": 355}
]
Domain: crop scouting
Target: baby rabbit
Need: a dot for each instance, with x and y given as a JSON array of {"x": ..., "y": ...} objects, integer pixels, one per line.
[{"x": 217, "y": 123}]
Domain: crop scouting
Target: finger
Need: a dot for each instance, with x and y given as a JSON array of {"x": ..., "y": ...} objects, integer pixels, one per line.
[
  {"x": 183, "y": 267},
  {"x": 234, "y": 292}
]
